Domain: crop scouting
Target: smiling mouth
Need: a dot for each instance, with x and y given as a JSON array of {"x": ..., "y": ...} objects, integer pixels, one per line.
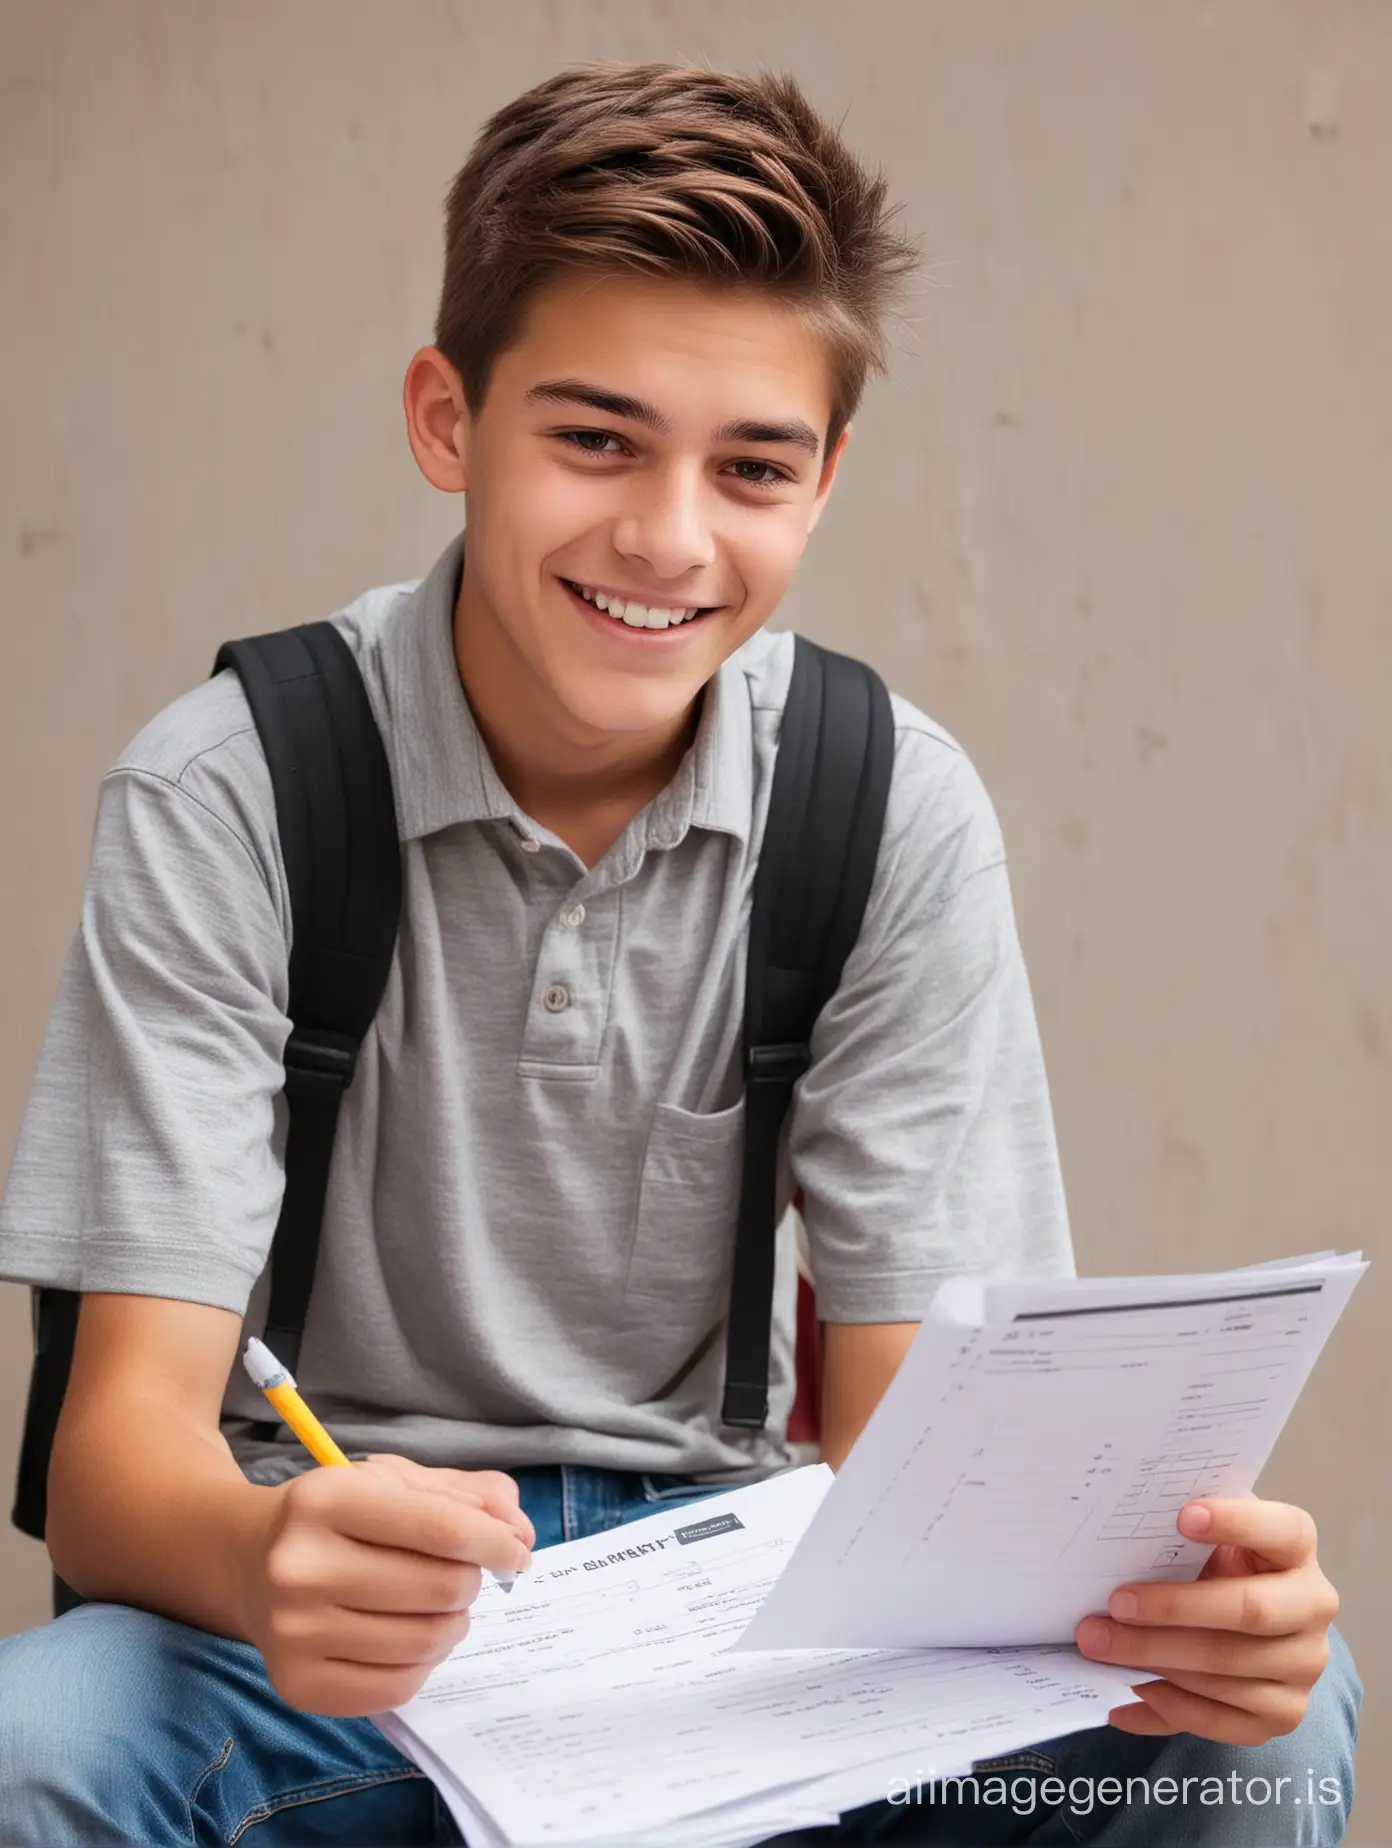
[{"x": 644, "y": 624}]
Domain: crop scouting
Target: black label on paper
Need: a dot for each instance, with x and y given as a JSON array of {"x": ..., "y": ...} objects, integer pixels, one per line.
[{"x": 707, "y": 1530}]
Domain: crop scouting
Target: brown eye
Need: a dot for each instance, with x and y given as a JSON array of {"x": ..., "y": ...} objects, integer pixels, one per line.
[
  {"x": 576, "y": 440},
  {"x": 775, "y": 479}
]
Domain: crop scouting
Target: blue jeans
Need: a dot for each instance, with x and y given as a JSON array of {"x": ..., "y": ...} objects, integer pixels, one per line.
[{"x": 120, "y": 1726}]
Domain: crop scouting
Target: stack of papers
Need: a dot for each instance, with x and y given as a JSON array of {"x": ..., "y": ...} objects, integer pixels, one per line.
[
  {"x": 595, "y": 1703},
  {"x": 767, "y": 1658},
  {"x": 1037, "y": 1444}
]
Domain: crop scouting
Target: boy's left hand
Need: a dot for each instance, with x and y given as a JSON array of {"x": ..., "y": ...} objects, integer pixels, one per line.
[{"x": 1239, "y": 1647}]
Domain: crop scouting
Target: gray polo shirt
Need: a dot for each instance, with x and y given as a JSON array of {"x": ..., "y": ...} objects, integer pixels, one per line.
[{"x": 527, "y": 1245}]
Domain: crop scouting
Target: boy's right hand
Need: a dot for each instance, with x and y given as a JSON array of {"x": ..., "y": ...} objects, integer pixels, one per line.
[{"x": 361, "y": 1581}]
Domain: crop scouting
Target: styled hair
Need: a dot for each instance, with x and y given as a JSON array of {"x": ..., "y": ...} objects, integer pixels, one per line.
[{"x": 670, "y": 171}]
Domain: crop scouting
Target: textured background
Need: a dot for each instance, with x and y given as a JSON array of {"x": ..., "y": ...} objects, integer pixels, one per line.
[{"x": 1118, "y": 520}]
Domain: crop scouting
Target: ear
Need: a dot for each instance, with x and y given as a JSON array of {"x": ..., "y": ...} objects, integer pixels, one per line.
[
  {"x": 437, "y": 420},
  {"x": 829, "y": 468}
]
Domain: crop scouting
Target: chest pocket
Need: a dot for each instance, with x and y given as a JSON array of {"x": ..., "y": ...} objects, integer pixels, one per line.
[{"x": 684, "y": 1240}]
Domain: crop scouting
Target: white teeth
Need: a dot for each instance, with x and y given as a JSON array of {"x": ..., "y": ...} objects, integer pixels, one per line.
[{"x": 636, "y": 615}]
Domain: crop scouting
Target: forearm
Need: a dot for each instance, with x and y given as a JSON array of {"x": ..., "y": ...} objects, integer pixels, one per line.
[
  {"x": 858, "y": 1363},
  {"x": 146, "y": 1508}
]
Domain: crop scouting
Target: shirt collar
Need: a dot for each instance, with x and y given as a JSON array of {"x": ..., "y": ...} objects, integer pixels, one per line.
[
  {"x": 714, "y": 784},
  {"x": 441, "y": 768}
]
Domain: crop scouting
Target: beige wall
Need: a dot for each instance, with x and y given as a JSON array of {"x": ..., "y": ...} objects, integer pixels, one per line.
[{"x": 1119, "y": 521}]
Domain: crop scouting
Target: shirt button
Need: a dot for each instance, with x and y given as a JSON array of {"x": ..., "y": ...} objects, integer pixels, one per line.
[
  {"x": 573, "y": 918},
  {"x": 529, "y": 843},
  {"x": 556, "y": 999}
]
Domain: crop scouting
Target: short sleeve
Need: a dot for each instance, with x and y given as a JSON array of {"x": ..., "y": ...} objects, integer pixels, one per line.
[
  {"x": 922, "y": 1136},
  {"x": 147, "y": 1158}
]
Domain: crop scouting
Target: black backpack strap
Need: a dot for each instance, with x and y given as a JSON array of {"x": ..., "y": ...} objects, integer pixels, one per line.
[
  {"x": 337, "y": 820},
  {"x": 55, "y": 1325},
  {"x": 821, "y": 841},
  {"x": 336, "y": 816}
]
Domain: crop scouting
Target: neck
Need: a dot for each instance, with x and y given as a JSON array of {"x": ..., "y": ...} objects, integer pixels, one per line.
[{"x": 573, "y": 779}]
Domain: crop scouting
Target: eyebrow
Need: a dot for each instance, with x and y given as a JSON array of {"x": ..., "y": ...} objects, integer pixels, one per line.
[{"x": 637, "y": 410}]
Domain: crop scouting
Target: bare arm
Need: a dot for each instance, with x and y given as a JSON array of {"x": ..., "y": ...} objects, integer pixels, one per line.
[
  {"x": 146, "y": 1504},
  {"x": 858, "y": 1362},
  {"x": 353, "y": 1583}
]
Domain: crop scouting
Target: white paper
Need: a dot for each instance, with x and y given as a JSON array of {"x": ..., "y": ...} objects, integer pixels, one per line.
[
  {"x": 598, "y": 1703},
  {"x": 726, "y": 1826},
  {"x": 1036, "y": 1446}
]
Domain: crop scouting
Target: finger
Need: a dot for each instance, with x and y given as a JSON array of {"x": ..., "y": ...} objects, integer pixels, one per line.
[
  {"x": 1210, "y": 1719},
  {"x": 417, "y": 1476},
  {"x": 370, "y": 1638},
  {"x": 1283, "y": 1535},
  {"x": 1142, "y": 1720},
  {"x": 345, "y": 1690},
  {"x": 1281, "y": 1705},
  {"x": 479, "y": 1488},
  {"x": 1257, "y": 1604},
  {"x": 390, "y": 1641},
  {"x": 440, "y": 1526},
  {"x": 502, "y": 1497},
  {"x": 1216, "y": 1652},
  {"x": 498, "y": 1489},
  {"x": 357, "y": 1576}
]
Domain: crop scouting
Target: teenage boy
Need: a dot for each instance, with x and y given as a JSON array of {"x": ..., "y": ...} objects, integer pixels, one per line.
[{"x": 664, "y": 290}]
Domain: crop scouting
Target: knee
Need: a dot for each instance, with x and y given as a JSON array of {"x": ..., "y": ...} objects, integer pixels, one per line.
[
  {"x": 76, "y": 1739},
  {"x": 1297, "y": 1788},
  {"x": 1318, "y": 1756}
]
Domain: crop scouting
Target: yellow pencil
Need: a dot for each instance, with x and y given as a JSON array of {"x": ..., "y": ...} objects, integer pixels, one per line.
[{"x": 278, "y": 1384}]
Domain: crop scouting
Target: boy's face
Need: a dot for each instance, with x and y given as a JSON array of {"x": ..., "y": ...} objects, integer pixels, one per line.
[{"x": 676, "y": 510}]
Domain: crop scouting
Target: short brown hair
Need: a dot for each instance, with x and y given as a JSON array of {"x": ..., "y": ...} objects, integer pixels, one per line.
[{"x": 672, "y": 171}]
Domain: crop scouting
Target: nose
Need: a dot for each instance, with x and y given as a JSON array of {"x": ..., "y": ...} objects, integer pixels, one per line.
[{"x": 668, "y": 528}]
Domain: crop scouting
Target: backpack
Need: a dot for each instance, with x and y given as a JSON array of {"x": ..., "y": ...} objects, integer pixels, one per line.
[{"x": 336, "y": 816}]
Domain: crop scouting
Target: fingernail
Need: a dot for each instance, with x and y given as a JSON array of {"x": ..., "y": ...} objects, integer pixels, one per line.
[
  {"x": 1196, "y": 1520},
  {"x": 1123, "y": 1604},
  {"x": 1094, "y": 1636},
  {"x": 521, "y": 1560}
]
